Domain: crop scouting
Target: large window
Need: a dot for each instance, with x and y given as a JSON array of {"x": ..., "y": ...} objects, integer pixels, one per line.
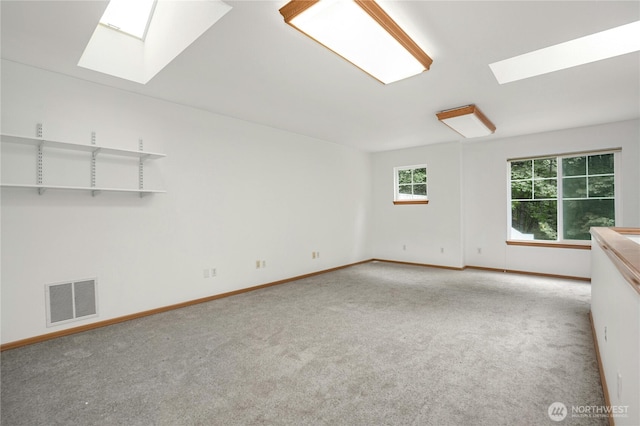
[
  {"x": 560, "y": 198},
  {"x": 410, "y": 185}
]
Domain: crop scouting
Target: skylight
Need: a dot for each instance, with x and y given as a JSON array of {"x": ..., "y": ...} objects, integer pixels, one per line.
[
  {"x": 174, "y": 26},
  {"x": 595, "y": 47},
  {"x": 129, "y": 16}
]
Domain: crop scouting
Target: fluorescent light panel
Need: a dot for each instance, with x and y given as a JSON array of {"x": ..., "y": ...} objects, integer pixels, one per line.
[
  {"x": 129, "y": 16},
  {"x": 468, "y": 121},
  {"x": 362, "y": 33},
  {"x": 595, "y": 47}
]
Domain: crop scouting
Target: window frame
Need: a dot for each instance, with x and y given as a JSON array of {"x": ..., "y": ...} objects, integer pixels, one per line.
[
  {"x": 416, "y": 199},
  {"x": 113, "y": 15},
  {"x": 561, "y": 242}
]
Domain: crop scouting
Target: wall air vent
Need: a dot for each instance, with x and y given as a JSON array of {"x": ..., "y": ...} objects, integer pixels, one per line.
[{"x": 71, "y": 301}]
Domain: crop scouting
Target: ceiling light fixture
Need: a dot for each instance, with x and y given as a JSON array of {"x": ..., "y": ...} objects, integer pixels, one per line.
[
  {"x": 595, "y": 47},
  {"x": 468, "y": 121},
  {"x": 362, "y": 33}
]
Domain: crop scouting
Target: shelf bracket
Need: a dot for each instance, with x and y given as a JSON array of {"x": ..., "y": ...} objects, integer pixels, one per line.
[
  {"x": 94, "y": 154},
  {"x": 141, "y": 169},
  {"x": 39, "y": 172},
  {"x": 40, "y": 164},
  {"x": 39, "y": 169},
  {"x": 141, "y": 176}
]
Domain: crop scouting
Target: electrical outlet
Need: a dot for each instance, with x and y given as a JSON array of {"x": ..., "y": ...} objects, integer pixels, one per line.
[
  {"x": 313, "y": 254},
  {"x": 619, "y": 386},
  {"x": 404, "y": 247},
  {"x": 205, "y": 273},
  {"x": 441, "y": 249},
  {"x": 257, "y": 264},
  {"x": 605, "y": 333},
  {"x": 317, "y": 254},
  {"x": 264, "y": 263},
  {"x": 479, "y": 250},
  {"x": 214, "y": 272}
]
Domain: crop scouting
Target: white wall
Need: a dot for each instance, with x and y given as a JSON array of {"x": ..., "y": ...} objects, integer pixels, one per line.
[
  {"x": 237, "y": 192},
  {"x": 485, "y": 210},
  {"x": 467, "y": 211},
  {"x": 432, "y": 233},
  {"x": 615, "y": 307}
]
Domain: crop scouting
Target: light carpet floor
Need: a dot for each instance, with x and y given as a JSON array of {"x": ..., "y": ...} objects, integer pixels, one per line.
[{"x": 372, "y": 344}]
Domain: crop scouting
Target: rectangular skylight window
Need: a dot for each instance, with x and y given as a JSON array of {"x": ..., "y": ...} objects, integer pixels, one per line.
[
  {"x": 129, "y": 16},
  {"x": 595, "y": 47},
  {"x": 174, "y": 26}
]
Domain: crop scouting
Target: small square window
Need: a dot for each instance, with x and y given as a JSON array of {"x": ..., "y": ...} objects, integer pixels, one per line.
[{"x": 410, "y": 185}]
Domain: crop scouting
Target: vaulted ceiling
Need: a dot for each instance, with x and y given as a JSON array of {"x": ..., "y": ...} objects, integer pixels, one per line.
[{"x": 252, "y": 66}]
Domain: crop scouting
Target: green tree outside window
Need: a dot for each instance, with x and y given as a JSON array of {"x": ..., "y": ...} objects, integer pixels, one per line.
[
  {"x": 587, "y": 184},
  {"x": 411, "y": 183}
]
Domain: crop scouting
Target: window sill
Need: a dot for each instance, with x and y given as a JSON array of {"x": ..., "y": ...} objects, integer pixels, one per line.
[
  {"x": 551, "y": 244},
  {"x": 402, "y": 202}
]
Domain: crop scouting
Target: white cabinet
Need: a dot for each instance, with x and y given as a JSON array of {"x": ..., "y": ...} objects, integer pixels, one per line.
[
  {"x": 43, "y": 146},
  {"x": 615, "y": 310}
]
